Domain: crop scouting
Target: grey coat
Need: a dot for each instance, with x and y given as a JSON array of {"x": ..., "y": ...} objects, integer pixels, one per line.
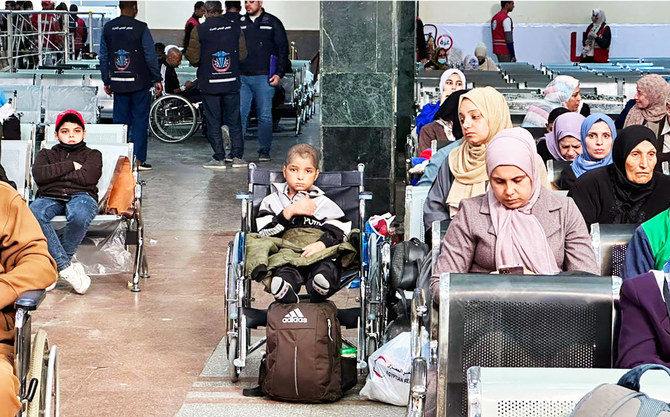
[
  {"x": 435, "y": 208},
  {"x": 469, "y": 245}
]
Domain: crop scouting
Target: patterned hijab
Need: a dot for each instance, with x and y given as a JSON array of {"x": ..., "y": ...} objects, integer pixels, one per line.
[
  {"x": 656, "y": 89},
  {"x": 556, "y": 94},
  {"x": 468, "y": 162},
  {"x": 520, "y": 238}
]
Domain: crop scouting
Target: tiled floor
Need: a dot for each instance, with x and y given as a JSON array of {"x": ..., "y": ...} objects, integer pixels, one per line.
[{"x": 143, "y": 354}]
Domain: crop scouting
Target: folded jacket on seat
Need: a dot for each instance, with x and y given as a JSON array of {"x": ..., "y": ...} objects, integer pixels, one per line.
[{"x": 265, "y": 254}]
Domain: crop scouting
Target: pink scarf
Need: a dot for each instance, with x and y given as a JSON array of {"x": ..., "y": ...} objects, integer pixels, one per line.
[
  {"x": 520, "y": 237},
  {"x": 656, "y": 89}
]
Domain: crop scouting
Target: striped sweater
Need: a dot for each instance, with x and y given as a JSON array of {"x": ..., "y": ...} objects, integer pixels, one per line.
[{"x": 327, "y": 217}]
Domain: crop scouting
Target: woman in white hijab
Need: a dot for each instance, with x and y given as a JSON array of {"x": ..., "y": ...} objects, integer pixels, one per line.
[{"x": 597, "y": 39}]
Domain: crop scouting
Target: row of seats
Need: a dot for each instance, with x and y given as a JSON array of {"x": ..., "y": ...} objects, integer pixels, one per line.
[
  {"x": 88, "y": 78},
  {"x": 482, "y": 321},
  {"x": 42, "y": 103}
]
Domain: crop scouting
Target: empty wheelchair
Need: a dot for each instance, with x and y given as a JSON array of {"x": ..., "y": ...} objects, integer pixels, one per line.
[
  {"x": 345, "y": 188},
  {"x": 36, "y": 362},
  {"x": 173, "y": 118}
]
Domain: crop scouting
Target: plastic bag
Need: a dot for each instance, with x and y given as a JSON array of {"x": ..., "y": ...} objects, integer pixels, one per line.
[
  {"x": 390, "y": 368},
  {"x": 103, "y": 250}
]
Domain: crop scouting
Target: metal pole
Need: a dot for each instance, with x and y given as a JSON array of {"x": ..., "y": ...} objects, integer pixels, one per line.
[
  {"x": 90, "y": 32},
  {"x": 10, "y": 42},
  {"x": 40, "y": 40}
]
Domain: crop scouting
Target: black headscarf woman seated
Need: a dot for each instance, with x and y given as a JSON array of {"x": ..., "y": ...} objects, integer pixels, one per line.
[{"x": 628, "y": 190}]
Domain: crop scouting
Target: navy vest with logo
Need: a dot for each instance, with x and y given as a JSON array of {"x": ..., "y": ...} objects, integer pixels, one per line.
[
  {"x": 219, "y": 68},
  {"x": 128, "y": 71},
  {"x": 260, "y": 40}
]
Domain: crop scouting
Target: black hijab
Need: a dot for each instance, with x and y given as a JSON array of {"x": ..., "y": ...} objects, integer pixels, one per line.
[
  {"x": 448, "y": 111},
  {"x": 630, "y": 197}
]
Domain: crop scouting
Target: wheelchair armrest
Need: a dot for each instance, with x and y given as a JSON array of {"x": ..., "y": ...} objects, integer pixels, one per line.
[
  {"x": 365, "y": 195},
  {"x": 29, "y": 300}
]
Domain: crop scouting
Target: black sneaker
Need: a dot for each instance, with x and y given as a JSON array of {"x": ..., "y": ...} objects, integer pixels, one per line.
[
  {"x": 144, "y": 166},
  {"x": 228, "y": 158},
  {"x": 264, "y": 157}
]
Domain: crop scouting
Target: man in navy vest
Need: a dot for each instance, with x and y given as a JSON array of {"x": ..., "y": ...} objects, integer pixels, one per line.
[
  {"x": 266, "y": 38},
  {"x": 216, "y": 48},
  {"x": 129, "y": 68}
]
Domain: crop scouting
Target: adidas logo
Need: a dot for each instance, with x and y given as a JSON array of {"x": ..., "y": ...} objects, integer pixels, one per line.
[{"x": 294, "y": 316}]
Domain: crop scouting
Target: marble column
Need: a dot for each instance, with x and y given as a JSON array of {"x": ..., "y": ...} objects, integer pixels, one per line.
[
  {"x": 358, "y": 89},
  {"x": 406, "y": 17}
]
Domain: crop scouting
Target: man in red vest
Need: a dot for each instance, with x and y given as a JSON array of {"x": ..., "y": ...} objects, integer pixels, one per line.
[
  {"x": 501, "y": 31},
  {"x": 193, "y": 22}
]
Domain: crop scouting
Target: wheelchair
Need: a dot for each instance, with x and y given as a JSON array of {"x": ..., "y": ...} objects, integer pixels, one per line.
[
  {"x": 173, "y": 118},
  {"x": 346, "y": 188},
  {"x": 36, "y": 362}
]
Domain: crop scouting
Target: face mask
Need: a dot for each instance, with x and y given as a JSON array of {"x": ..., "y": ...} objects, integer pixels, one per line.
[{"x": 442, "y": 60}]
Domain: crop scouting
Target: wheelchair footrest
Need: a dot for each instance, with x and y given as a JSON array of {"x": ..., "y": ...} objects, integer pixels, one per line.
[
  {"x": 256, "y": 318},
  {"x": 348, "y": 317}
]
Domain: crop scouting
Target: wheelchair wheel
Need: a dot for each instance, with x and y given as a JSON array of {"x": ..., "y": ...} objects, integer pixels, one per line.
[
  {"x": 44, "y": 368},
  {"x": 233, "y": 372},
  {"x": 173, "y": 119}
]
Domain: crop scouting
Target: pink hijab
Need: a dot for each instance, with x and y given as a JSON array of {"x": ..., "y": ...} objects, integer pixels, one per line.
[{"x": 520, "y": 237}]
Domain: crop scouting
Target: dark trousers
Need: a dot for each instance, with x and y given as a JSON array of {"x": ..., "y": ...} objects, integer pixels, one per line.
[
  {"x": 504, "y": 57},
  {"x": 330, "y": 269},
  {"x": 223, "y": 109},
  {"x": 132, "y": 109}
]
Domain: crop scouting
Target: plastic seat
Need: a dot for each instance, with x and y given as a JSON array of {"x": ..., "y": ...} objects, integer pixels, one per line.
[
  {"x": 16, "y": 159},
  {"x": 28, "y": 101},
  {"x": 97, "y": 133},
  {"x": 60, "y": 98}
]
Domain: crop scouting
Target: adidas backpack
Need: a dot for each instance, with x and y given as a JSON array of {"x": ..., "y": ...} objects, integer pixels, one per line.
[
  {"x": 302, "y": 362},
  {"x": 622, "y": 399}
]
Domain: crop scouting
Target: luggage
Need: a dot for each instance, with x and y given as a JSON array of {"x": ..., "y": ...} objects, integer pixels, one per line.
[
  {"x": 121, "y": 193},
  {"x": 405, "y": 259},
  {"x": 303, "y": 362},
  {"x": 622, "y": 399},
  {"x": 11, "y": 128}
]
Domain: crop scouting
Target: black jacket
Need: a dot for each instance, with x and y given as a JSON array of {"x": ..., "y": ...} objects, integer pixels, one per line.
[
  {"x": 264, "y": 37},
  {"x": 54, "y": 171}
]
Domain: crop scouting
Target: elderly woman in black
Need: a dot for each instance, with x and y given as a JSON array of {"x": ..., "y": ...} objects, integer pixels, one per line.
[{"x": 628, "y": 190}]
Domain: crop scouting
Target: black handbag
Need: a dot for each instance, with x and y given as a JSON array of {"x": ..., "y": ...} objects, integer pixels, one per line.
[
  {"x": 405, "y": 259},
  {"x": 11, "y": 128}
]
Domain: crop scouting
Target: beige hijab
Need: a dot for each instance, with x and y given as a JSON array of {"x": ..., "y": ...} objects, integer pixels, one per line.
[{"x": 468, "y": 162}]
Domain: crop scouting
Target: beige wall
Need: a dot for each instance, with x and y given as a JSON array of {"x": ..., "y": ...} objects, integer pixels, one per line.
[
  {"x": 546, "y": 11},
  {"x": 295, "y": 15}
]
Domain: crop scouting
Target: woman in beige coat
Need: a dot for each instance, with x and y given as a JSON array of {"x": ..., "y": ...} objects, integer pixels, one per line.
[{"x": 517, "y": 222}]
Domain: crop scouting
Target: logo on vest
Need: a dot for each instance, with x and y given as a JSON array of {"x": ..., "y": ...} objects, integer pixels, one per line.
[
  {"x": 122, "y": 60},
  {"x": 294, "y": 316},
  {"x": 221, "y": 61}
]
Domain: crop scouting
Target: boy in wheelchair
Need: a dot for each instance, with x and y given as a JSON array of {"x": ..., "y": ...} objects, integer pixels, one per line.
[
  {"x": 25, "y": 265},
  {"x": 67, "y": 176},
  {"x": 299, "y": 212}
]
